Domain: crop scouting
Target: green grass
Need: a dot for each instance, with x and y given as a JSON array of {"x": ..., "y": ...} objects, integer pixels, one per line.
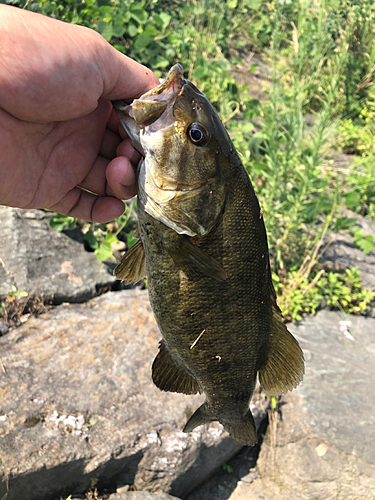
[{"x": 319, "y": 100}]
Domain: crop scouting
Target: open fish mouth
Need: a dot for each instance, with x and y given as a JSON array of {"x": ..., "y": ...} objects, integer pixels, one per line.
[{"x": 151, "y": 106}]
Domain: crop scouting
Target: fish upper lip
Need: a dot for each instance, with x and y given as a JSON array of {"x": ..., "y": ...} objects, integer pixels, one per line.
[{"x": 176, "y": 72}]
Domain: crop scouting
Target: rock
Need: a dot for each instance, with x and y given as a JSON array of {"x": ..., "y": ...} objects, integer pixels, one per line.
[
  {"x": 341, "y": 254},
  {"x": 141, "y": 495},
  {"x": 38, "y": 260},
  {"x": 4, "y": 327},
  {"x": 249, "y": 477},
  {"x": 224, "y": 481},
  {"x": 77, "y": 404},
  {"x": 322, "y": 446}
]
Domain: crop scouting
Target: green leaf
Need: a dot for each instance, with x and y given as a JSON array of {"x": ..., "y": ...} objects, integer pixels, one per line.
[
  {"x": 132, "y": 30},
  {"x": 161, "y": 62},
  {"x": 366, "y": 244},
  {"x": 352, "y": 199},
  {"x": 106, "y": 12},
  {"x": 344, "y": 223},
  {"x": 118, "y": 29},
  {"x": 199, "y": 72},
  {"x": 232, "y": 4},
  {"x": 59, "y": 222},
  {"x": 110, "y": 238},
  {"x": 138, "y": 13},
  {"x": 104, "y": 252},
  {"x": 130, "y": 241},
  {"x": 142, "y": 41},
  {"x": 227, "y": 468},
  {"x": 105, "y": 29},
  {"x": 165, "y": 18},
  {"x": 91, "y": 240}
]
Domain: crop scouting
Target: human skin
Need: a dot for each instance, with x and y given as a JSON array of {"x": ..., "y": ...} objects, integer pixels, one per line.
[{"x": 60, "y": 141}]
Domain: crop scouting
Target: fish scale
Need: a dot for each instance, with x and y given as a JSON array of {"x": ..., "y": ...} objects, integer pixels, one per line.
[{"x": 203, "y": 245}]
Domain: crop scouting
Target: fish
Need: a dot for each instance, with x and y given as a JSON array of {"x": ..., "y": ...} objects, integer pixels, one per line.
[{"x": 203, "y": 245}]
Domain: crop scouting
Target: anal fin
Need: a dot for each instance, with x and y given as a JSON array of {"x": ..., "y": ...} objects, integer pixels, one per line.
[
  {"x": 132, "y": 266},
  {"x": 284, "y": 367},
  {"x": 167, "y": 375}
]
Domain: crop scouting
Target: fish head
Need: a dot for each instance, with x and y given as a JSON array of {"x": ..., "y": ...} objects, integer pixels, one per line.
[{"x": 186, "y": 150}]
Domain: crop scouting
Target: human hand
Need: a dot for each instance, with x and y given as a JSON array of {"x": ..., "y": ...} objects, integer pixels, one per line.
[{"x": 61, "y": 147}]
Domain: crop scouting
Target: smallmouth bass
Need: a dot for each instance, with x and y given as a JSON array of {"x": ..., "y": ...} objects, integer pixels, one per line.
[{"x": 204, "y": 248}]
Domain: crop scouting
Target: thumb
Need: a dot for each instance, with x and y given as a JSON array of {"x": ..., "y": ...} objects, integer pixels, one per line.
[{"x": 123, "y": 77}]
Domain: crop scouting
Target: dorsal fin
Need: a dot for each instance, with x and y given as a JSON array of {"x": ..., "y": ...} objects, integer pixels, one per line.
[
  {"x": 284, "y": 367},
  {"x": 169, "y": 376},
  {"x": 132, "y": 266}
]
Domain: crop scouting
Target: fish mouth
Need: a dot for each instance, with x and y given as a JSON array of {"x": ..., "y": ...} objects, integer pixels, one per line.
[{"x": 150, "y": 107}]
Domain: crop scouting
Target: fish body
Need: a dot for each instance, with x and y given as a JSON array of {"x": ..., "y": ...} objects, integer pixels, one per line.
[{"x": 204, "y": 245}]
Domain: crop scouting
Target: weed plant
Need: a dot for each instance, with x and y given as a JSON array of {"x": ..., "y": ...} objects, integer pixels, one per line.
[{"x": 319, "y": 99}]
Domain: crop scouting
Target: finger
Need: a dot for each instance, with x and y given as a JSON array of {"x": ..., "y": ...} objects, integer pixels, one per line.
[
  {"x": 121, "y": 177},
  {"x": 124, "y": 78},
  {"x": 87, "y": 206},
  {"x": 96, "y": 180},
  {"x": 113, "y": 122},
  {"x": 111, "y": 141},
  {"x": 125, "y": 148},
  {"x": 122, "y": 132}
]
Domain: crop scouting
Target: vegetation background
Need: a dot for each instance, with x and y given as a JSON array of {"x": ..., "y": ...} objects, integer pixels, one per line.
[{"x": 317, "y": 99}]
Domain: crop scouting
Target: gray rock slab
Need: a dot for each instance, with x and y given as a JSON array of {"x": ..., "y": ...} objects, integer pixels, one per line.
[
  {"x": 322, "y": 445},
  {"x": 141, "y": 495},
  {"x": 36, "y": 259},
  {"x": 341, "y": 254},
  {"x": 338, "y": 390},
  {"x": 77, "y": 403}
]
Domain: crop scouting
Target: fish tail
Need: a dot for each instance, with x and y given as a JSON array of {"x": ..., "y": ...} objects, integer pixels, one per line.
[
  {"x": 200, "y": 417},
  {"x": 244, "y": 430}
]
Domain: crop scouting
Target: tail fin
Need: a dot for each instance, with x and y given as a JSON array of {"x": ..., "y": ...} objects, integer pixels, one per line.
[
  {"x": 200, "y": 417},
  {"x": 244, "y": 431}
]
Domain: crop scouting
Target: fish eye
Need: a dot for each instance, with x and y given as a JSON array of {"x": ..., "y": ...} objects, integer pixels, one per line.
[{"x": 197, "y": 134}]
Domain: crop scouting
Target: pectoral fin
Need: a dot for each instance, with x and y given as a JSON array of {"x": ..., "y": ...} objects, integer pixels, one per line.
[
  {"x": 189, "y": 257},
  {"x": 284, "y": 367},
  {"x": 167, "y": 375},
  {"x": 132, "y": 266}
]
